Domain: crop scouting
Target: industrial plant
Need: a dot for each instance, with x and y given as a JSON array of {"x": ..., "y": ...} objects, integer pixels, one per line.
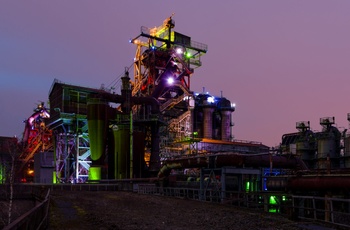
[
  {"x": 157, "y": 128},
  {"x": 92, "y": 134}
]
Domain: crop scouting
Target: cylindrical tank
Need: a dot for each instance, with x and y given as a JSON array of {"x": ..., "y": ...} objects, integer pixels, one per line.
[
  {"x": 306, "y": 153},
  {"x": 274, "y": 183},
  {"x": 328, "y": 151},
  {"x": 97, "y": 127},
  {"x": 226, "y": 110},
  {"x": 208, "y": 121},
  {"x": 226, "y": 125},
  {"x": 205, "y": 106},
  {"x": 305, "y": 148},
  {"x": 121, "y": 134},
  {"x": 347, "y": 152}
]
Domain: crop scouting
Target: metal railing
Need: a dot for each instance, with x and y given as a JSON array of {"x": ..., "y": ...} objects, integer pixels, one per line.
[
  {"x": 333, "y": 211},
  {"x": 211, "y": 195},
  {"x": 36, "y": 218},
  {"x": 325, "y": 209}
]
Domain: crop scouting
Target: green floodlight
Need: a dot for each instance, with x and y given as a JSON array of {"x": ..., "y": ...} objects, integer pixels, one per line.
[
  {"x": 188, "y": 55},
  {"x": 95, "y": 173}
]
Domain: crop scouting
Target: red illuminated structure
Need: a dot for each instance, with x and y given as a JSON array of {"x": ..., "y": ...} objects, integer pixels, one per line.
[{"x": 36, "y": 138}]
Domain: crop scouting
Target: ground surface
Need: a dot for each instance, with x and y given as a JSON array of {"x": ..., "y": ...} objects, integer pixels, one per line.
[{"x": 125, "y": 210}]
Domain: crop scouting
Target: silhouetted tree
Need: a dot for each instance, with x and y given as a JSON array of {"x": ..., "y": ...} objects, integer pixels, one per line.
[{"x": 12, "y": 149}]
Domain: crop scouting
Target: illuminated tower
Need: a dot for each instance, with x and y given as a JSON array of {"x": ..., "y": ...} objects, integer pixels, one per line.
[{"x": 164, "y": 63}]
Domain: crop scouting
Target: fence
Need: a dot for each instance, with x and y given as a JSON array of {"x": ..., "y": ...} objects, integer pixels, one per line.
[
  {"x": 37, "y": 217},
  {"x": 211, "y": 195},
  {"x": 326, "y": 209},
  {"x": 334, "y": 211}
]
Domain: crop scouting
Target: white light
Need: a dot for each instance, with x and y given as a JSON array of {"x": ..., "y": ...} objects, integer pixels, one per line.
[
  {"x": 191, "y": 103},
  {"x": 179, "y": 51},
  {"x": 233, "y": 105},
  {"x": 210, "y": 99},
  {"x": 170, "y": 80}
]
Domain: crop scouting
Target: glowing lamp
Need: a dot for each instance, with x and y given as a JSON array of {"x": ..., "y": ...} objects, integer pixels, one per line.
[
  {"x": 170, "y": 80},
  {"x": 191, "y": 103},
  {"x": 95, "y": 173},
  {"x": 179, "y": 51},
  {"x": 210, "y": 99},
  {"x": 188, "y": 55}
]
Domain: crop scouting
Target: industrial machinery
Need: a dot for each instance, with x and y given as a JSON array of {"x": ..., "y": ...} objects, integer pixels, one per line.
[
  {"x": 319, "y": 150},
  {"x": 326, "y": 155},
  {"x": 36, "y": 139},
  {"x": 158, "y": 128},
  {"x": 99, "y": 134},
  {"x": 164, "y": 63}
]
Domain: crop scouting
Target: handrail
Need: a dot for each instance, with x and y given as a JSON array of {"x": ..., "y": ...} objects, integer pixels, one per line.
[
  {"x": 36, "y": 218},
  {"x": 317, "y": 209}
]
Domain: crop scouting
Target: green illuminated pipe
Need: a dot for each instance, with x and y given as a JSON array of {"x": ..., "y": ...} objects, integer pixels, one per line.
[
  {"x": 97, "y": 126},
  {"x": 121, "y": 134}
]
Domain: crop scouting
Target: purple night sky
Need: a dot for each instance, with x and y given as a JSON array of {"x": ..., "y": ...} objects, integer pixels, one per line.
[{"x": 280, "y": 61}]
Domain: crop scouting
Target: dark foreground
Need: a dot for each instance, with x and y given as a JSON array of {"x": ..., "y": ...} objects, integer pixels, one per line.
[{"x": 125, "y": 210}]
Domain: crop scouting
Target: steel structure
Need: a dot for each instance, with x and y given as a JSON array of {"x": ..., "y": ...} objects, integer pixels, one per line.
[
  {"x": 72, "y": 150},
  {"x": 155, "y": 117},
  {"x": 161, "y": 54},
  {"x": 69, "y": 126},
  {"x": 36, "y": 138},
  {"x": 164, "y": 63}
]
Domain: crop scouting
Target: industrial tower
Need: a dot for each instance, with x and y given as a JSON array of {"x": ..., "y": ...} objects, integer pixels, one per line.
[
  {"x": 98, "y": 134},
  {"x": 164, "y": 63}
]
